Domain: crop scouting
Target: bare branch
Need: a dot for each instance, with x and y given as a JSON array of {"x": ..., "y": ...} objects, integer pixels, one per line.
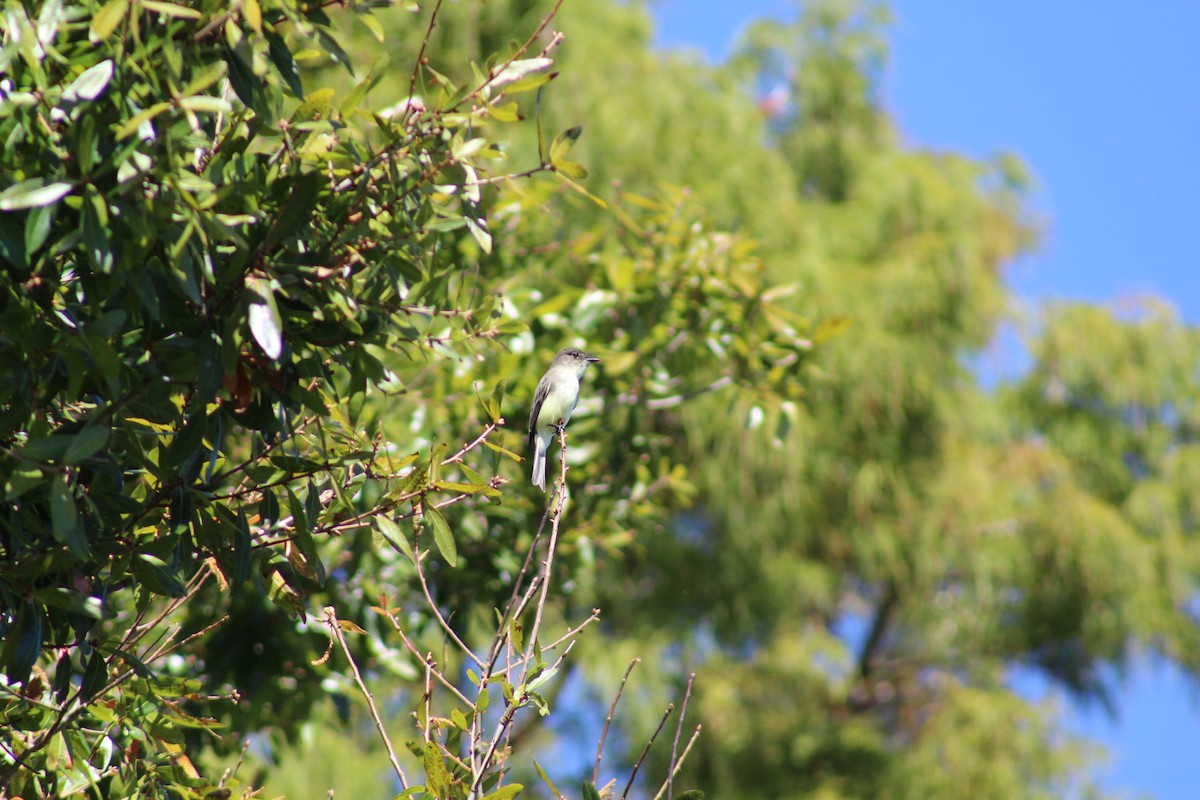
[
  {"x": 335, "y": 632},
  {"x": 646, "y": 750},
  {"x": 687, "y": 695},
  {"x": 608, "y": 720},
  {"x": 679, "y": 764}
]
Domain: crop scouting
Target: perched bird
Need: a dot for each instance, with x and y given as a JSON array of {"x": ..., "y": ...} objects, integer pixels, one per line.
[{"x": 555, "y": 398}]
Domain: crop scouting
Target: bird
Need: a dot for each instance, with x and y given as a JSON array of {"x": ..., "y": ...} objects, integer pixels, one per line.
[{"x": 553, "y": 401}]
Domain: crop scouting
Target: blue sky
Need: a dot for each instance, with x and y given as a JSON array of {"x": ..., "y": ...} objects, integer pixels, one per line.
[{"x": 1101, "y": 99}]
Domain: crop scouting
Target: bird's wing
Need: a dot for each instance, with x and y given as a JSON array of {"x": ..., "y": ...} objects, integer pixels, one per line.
[{"x": 539, "y": 397}]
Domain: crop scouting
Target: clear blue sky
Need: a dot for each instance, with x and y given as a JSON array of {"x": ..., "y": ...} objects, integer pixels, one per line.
[{"x": 1102, "y": 100}]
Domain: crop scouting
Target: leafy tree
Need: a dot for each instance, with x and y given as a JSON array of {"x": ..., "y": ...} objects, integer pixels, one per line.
[
  {"x": 864, "y": 566},
  {"x": 256, "y": 338}
]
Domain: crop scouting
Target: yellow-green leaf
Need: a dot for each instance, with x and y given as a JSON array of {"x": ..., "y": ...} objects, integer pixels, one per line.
[
  {"x": 107, "y": 19},
  {"x": 252, "y": 13}
]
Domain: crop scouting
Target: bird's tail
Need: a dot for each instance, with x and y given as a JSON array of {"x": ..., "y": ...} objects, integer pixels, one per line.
[{"x": 539, "y": 462}]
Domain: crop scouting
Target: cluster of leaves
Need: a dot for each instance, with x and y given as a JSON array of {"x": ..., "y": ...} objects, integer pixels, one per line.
[
  {"x": 206, "y": 269},
  {"x": 240, "y": 318}
]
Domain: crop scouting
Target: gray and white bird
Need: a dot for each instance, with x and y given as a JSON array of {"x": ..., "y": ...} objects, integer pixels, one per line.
[{"x": 553, "y": 402}]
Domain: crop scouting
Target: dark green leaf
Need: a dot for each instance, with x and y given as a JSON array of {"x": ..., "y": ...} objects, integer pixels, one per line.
[
  {"x": 86, "y": 443},
  {"x": 95, "y": 675},
  {"x": 496, "y": 407},
  {"x": 281, "y": 57},
  {"x": 21, "y": 481},
  {"x": 393, "y": 535},
  {"x": 156, "y": 576},
  {"x": 301, "y": 200},
  {"x": 23, "y": 643},
  {"x": 442, "y": 536},
  {"x": 75, "y": 602},
  {"x": 50, "y": 448},
  {"x": 308, "y": 548},
  {"x": 589, "y": 791},
  {"x": 140, "y": 668},
  {"x": 37, "y": 228},
  {"x": 65, "y": 523}
]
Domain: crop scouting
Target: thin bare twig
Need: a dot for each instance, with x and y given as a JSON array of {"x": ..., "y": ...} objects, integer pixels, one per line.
[
  {"x": 436, "y": 673},
  {"x": 469, "y": 447},
  {"x": 420, "y": 62},
  {"x": 612, "y": 709},
  {"x": 428, "y": 691},
  {"x": 646, "y": 750},
  {"x": 418, "y": 558},
  {"x": 687, "y": 695},
  {"x": 335, "y": 632},
  {"x": 559, "y": 504},
  {"x": 679, "y": 764}
]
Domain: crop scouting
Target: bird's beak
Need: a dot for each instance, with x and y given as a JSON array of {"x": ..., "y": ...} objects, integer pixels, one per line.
[{"x": 592, "y": 359}]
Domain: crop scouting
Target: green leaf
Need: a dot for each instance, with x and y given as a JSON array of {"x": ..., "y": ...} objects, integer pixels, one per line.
[
  {"x": 171, "y": 9},
  {"x": 571, "y": 169},
  {"x": 281, "y": 56},
  {"x": 435, "y": 771},
  {"x": 107, "y": 19},
  {"x": 540, "y": 681},
  {"x": 505, "y": 792},
  {"x": 23, "y": 643},
  {"x": 37, "y": 228},
  {"x": 581, "y": 190},
  {"x": 467, "y": 488},
  {"x": 301, "y": 200},
  {"x": 355, "y": 96},
  {"x": 497, "y": 405},
  {"x": 541, "y": 772},
  {"x": 479, "y": 230},
  {"x": 49, "y": 448},
  {"x": 86, "y": 443},
  {"x": 64, "y": 520},
  {"x": 140, "y": 668},
  {"x": 391, "y": 533},
  {"x": 563, "y": 143},
  {"x": 690, "y": 794},
  {"x": 156, "y": 576},
  {"x": 95, "y": 675},
  {"x": 371, "y": 23},
  {"x": 33, "y": 193},
  {"x": 442, "y": 536},
  {"x": 136, "y": 121},
  {"x": 589, "y": 791},
  {"x": 308, "y": 548},
  {"x": 252, "y": 13},
  {"x": 503, "y": 451},
  {"x": 21, "y": 481},
  {"x": 75, "y": 602}
]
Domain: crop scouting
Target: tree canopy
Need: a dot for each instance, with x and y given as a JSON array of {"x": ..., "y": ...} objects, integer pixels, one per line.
[{"x": 280, "y": 279}]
